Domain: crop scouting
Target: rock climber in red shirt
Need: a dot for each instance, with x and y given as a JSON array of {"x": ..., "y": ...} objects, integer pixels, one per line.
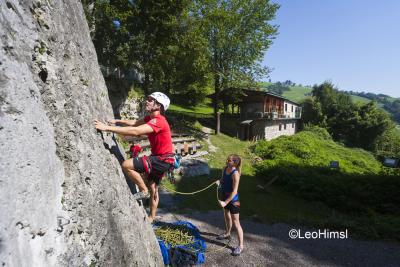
[{"x": 157, "y": 129}]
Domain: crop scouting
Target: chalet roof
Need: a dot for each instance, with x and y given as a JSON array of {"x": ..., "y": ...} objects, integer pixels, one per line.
[{"x": 251, "y": 92}]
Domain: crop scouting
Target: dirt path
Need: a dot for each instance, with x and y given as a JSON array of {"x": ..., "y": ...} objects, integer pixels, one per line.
[
  {"x": 270, "y": 245},
  {"x": 211, "y": 147}
]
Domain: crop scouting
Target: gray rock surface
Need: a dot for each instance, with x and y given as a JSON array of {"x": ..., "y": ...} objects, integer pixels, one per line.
[
  {"x": 63, "y": 198},
  {"x": 193, "y": 167}
]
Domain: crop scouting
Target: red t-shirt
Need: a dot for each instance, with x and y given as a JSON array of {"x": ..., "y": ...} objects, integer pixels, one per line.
[{"x": 160, "y": 139}]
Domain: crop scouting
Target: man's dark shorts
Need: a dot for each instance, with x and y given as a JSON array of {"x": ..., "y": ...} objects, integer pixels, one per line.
[
  {"x": 233, "y": 207},
  {"x": 157, "y": 167}
]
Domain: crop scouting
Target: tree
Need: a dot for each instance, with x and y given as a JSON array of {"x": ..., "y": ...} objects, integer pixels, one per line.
[
  {"x": 388, "y": 144},
  {"x": 312, "y": 113},
  {"x": 111, "y": 40},
  {"x": 237, "y": 33},
  {"x": 158, "y": 39},
  {"x": 355, "y": 125},
  {"x": 394, "y": 109},
  {"x": 156, "y": 32},
  {"x": 371, "y": 123}
]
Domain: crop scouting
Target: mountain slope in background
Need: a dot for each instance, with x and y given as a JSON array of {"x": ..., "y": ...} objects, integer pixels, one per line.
[{"x": 298, "y": 92}]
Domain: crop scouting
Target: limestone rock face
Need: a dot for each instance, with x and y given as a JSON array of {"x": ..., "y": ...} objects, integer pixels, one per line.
[
  {"x": 63, "y": 198},
  {"x": 194, "y": 167}
]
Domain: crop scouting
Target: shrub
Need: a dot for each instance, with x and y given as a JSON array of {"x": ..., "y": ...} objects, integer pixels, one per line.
[{"x": 319, "y": 131}]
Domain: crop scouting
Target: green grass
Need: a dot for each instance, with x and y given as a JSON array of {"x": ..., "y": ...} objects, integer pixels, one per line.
[
  {"x": 297, "y": 93},
  {"x": 201, "y": 108},
  {"x": 359, "y": 99},
  {"x": 311, "y": 150},
  {"x": 264, "y": 84}
]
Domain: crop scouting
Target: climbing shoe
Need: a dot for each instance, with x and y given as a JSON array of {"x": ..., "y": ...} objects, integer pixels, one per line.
[
  {"x": 141, "y": 195},
  {"x": 223, "y": 236},
  {"x": 237, "y": 251}
]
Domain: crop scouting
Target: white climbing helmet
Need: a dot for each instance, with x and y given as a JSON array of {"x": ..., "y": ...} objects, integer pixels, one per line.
[{"x": 161, "y": 98}]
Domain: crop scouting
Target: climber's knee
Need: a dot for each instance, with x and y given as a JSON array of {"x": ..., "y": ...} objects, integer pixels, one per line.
[{"x": 127, "y": 165}]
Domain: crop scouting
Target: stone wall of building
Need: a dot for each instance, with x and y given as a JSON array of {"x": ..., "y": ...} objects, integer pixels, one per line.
[{"x": 276, "y": 128}]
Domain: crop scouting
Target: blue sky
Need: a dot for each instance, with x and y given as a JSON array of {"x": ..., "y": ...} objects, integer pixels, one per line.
[{"x": 353, "y": 43}]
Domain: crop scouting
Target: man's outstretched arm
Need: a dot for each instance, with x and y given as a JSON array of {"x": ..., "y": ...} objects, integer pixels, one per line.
[
  {"x": 130, "y": 130},
  {"x": 128, "y": 122}
]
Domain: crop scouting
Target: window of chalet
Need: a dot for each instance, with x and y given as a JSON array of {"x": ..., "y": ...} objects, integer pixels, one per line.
[
  {"x": 280, "y": 127},
  {"x": 284, "y": 126},
  {"x": 292, "y": 124},
  {"x": 285, "y": 107},
  {"x": 292, "y": 108}
]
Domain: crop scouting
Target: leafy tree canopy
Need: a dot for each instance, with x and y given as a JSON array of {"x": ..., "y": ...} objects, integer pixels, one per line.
[
  {"x": 237, "y": 33},
  {"x": 353, "y": 124}
]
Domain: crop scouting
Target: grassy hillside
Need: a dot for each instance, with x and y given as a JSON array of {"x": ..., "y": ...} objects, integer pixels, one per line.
[
  {"x": 359, "y": 99},
  {"x": 297, "y": 93},
  {"x": 315, "y": 149},
  {"x": 204, "y": 108},
  {"x": 360, "y": 187}
]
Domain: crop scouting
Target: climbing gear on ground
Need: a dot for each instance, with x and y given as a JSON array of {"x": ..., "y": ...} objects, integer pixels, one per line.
[
  {"x": 175, "y": 236},
  {"x": 180, "y": 243},
  {"x": 141, "y": 195},
  {"x": 161, "y": 98},
  {"x": 223, "y": 236},
  {"x": 237, "y": 251}
]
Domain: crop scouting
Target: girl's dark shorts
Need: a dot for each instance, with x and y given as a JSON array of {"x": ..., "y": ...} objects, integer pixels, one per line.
[
  {"x": 233, "y": 207},
  {"x": 157, "y": 168}
]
